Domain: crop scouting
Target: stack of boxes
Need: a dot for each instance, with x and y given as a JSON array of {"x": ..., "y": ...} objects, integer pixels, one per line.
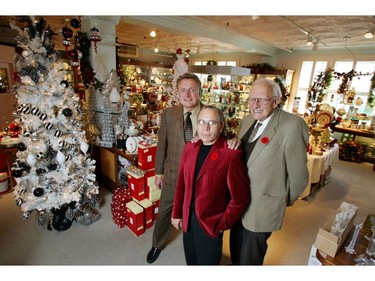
[{"x": 143, "y": 209}]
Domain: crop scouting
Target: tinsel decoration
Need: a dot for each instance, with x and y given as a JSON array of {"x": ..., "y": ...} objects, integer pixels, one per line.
[
  {"x": 70, "y": 213},
  {"x": 107, "y": 132},
  {"x": 87, "y": 215},
  {"x": 42, "y": 219}
]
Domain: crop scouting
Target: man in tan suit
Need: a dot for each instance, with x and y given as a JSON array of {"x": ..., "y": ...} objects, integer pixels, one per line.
[
  {"x": 171, "y": 141},
  {"x": 276, "y": 160}
]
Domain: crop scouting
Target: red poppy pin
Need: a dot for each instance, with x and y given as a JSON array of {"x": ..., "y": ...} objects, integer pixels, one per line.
[
  {"x": 265, "y": 140},
  {"x": 214, "y": 156}
]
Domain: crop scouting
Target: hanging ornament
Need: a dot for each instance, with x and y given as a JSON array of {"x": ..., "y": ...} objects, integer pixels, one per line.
[
  {"x": 38, "y": 192},
  {"x": 66, "y": 83},
  {"x": 67, "y": 33},
  {"x": 67, "y": 112},
  {"x": 75, "y": 23},
  {"x": 94, "y": 37},
  {"x": 21, "y": 146}
]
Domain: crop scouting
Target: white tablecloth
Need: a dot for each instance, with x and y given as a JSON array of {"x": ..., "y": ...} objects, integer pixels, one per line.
[{"x": 318, "y": 165}]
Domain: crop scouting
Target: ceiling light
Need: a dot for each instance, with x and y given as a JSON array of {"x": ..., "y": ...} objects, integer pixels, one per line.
[
  {"x": 370, "y": 33},
  {"x": 156, "y": 49},
  {"x": 153, "y": 33},
  {"x": 309, "y": 41}
]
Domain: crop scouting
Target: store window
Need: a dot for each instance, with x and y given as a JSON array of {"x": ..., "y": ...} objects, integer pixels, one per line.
[
  {"x": 309, "y": 71},
  {"x": 361, "y": 84}
]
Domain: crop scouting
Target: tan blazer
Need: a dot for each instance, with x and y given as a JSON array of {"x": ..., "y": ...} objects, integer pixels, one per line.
[{"x": 276, "y": 168}]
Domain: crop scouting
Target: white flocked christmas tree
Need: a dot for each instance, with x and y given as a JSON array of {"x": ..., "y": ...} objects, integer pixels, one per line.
[{"x": 55, "y": 176}]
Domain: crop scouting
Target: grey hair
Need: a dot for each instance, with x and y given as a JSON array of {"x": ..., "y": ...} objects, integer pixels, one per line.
[
  {"x": 271, "y": 85},
  {"x": 221, "y": 117}
]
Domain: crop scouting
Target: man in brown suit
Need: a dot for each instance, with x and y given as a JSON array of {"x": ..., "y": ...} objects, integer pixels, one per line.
[{"x": 171, "y": 141}]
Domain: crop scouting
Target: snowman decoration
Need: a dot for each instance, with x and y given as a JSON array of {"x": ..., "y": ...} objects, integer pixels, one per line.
[{"x": 179, "y": 67}]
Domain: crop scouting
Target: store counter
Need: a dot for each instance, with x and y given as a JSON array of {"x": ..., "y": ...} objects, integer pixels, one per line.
[{"x": 319, "y": 169}]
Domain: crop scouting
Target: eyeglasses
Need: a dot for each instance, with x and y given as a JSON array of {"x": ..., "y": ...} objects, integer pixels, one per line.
[
  {"x": 262, "y": 101},
  {"x": 190, "y": 90},
  {"x": 209, "y": 123}
]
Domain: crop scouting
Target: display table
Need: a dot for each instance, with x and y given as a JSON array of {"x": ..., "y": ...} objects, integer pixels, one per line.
[
  {"x": 354, "y": 132},
  {"x": 319, "y": 168},
  {"x": 342, "y": 257},
  {"x": 107, "y": 164}
]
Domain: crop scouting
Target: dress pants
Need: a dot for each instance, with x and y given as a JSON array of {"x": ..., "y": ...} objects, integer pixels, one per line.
[
  {"x": 199, "y": 248},
  {"x": 247, "y": 247},
  {"x": 163, "y": 227}
]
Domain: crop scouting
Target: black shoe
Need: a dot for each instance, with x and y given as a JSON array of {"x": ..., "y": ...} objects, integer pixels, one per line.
[{"x": 153, "y": 255}]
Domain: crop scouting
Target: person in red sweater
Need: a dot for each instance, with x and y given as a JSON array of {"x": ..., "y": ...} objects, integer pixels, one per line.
[{"x": 212, "y": 190}]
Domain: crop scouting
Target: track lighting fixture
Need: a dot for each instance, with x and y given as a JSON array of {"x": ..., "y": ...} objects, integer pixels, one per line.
[
  {"x": 370, "y": 33},
  {"x": 309, "y": 41},
  {"x": 153, "y": 33}
]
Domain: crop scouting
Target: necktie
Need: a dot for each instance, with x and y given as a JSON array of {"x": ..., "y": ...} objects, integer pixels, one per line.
[
  {"x": 188, "y": 128},
  {"x": 254, "y": 132}
]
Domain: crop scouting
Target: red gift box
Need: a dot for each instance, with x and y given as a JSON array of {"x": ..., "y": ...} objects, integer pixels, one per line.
[
  {"x": 136, "y": 183},
  {"x": 148, "y": 210},
  {"x": 135, "y": 220},
  {"x": 146, "y": 155},
  {"x": 120, "y": 197}
]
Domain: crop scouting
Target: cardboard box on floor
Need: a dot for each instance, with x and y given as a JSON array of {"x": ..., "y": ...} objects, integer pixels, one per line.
[{"x": 328, "y": 242}]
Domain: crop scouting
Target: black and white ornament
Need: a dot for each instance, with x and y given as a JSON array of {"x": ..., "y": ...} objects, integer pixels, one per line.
[
  {"x": 63, "y": 143},
  {"x": 39, "y": 155},
  {"x": 26, "y": 215},
  {"x": 27, "y": 133},
  {"x": 19, "y": 202},
  {"x": 35, "y": 111},
  {"x": 21, "y": 146},
  {"x": 48, "y": 126},
  {"x": 67, "y": 112},
  {"x": 38, "y": 192},
  {"x": 43, "y": 116},
  {"x": 58, "y": 133},
  {"x": 26, "y": 110},
  {"x": 52, "y": 166},
  {"x": 40, "y": 171}
]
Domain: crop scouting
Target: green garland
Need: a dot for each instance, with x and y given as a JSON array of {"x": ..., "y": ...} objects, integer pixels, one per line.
[
  {"x": 83, "y": 44},
  {"x": 318, "y": 90}
]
